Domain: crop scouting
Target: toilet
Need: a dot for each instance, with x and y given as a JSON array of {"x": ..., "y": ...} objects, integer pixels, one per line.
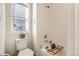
[{"x": 21, "y": 46}]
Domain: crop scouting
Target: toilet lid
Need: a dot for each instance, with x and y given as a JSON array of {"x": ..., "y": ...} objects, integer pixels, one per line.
[{"x": 26, "y": 52}]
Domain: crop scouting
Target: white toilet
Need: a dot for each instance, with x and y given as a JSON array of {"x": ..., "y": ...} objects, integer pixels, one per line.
[{"x": 21, "y": 46}]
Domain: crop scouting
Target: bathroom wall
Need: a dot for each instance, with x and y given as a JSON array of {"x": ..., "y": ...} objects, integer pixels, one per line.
[
  {"x": 2, "y": 28},
  {"x": 60, "y": 15},
  {"x": 11, "y": 36},
  {"x": 56, "y": 21},
  {"x": 40, "y": 26}
]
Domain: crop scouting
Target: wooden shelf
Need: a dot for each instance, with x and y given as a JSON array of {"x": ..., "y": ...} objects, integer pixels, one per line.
[{"x": 55, "y": 50}]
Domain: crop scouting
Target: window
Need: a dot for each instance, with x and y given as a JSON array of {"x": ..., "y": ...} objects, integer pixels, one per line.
[{"x": 20, "y": 17}]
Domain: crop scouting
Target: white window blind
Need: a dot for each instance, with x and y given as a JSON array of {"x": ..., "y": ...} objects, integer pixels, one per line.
[{"x": 20, "y": 17}]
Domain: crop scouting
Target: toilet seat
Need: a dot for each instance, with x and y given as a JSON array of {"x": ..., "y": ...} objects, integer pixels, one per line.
[{"x": 26, "y": 52}]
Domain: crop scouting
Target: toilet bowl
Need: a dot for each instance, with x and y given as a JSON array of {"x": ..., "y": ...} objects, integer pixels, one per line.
[
  {"x": 26, "y": 52},
  {"x": 21, "y": 46}
]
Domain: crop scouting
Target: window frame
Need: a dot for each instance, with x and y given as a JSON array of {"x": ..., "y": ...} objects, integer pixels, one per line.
[{"x": 12, "y": 26}]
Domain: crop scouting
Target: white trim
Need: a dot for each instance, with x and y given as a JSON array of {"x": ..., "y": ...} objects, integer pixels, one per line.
[
  {"x": 76, "y": 29},
  {"x": 69, "y": 34},
  {"x": 34, "y": 25},
  {"x": 4, "y": 24},
  {"x": 2, "y": 39}
]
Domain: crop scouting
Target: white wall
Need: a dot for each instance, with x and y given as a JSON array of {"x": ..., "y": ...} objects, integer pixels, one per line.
[
  {"x": 57, "y": 23},
  {"x": 2, "y": 28},
  {"x": 10, "y": 36}
]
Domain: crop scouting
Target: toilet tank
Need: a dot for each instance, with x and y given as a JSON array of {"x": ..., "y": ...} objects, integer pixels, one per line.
[{"x": 21, "y": 43}]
